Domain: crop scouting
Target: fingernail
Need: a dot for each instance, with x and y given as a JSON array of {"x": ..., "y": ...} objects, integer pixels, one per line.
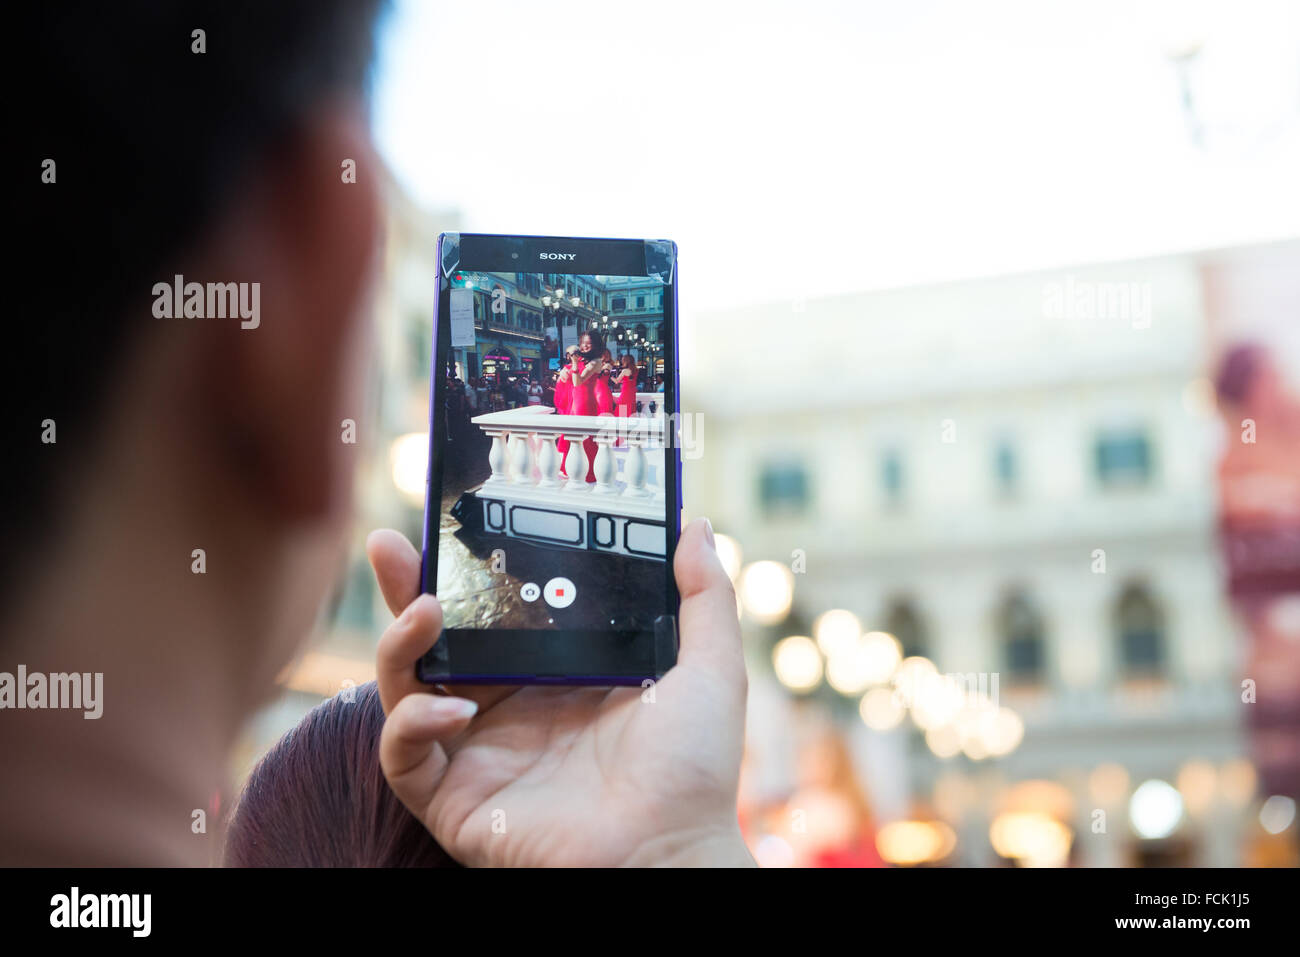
[
  {"x": 708, "y": 533},
  {"x": 453, "y": 707}
]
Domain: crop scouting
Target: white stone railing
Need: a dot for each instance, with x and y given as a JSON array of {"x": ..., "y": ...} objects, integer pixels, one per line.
[
  {"x": 627, "y": 462},
  {"x": 526, "y": 495},
  {"x": 645, "y": 398}
]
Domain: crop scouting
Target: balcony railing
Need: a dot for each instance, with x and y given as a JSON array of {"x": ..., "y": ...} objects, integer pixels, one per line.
[{"x": 527, "y": 496}]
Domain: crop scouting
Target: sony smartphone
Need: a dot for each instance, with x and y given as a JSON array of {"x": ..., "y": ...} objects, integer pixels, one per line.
[{"x": 554, "y": 491}]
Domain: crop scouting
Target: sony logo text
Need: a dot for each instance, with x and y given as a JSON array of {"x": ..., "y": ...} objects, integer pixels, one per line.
[{"x": 557, "y": 255}]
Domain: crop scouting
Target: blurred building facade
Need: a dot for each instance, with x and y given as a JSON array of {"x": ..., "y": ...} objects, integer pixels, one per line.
[{"x": 1016, "y": 477}]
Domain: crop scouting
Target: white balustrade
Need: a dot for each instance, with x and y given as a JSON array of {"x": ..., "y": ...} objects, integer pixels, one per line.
[
  {"x": 604, "y": 469},
  {"x": 576, "y": 463},
  {"x": 646, "y": 398},
  {"x": 497, "y": 455},
  {"x": 628, "y": 464},
  {"x": 634, "y": 470},
  {"x": 548, "y": 462},
  {"x": 521, "y": 459}
]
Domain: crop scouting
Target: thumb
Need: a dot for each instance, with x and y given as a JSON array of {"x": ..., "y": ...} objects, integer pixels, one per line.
[
  {"x": 710, "y": 630},
  {"x": 410, "y": 746}
]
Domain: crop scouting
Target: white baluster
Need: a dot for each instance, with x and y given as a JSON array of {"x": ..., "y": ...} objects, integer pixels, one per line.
[
  {"x": 521, "y": 459},
  {"x": 604, "y": 467},
  {"x": 634, "y": 469},
  {"x": 577, "y": 464},
  {"x": 497, "y": 457},
  {"x": 548, "y": 462},
  {"x": 661, "y": 458}
]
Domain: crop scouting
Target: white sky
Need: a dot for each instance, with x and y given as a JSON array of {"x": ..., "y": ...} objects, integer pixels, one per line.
[{"x": 858, "y": 144}]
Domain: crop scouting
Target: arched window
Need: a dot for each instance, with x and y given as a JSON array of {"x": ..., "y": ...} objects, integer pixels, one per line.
[
  {"x": 1023, "y": 649},
  {"x": 903, "y": 622},
  {"x": 1140, "y": 627}
]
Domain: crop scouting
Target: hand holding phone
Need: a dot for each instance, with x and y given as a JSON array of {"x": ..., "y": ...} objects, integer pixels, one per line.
[{"x": 614, "y": 776}]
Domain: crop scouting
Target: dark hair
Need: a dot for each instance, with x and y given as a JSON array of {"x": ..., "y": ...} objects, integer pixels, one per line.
[
  {"x": 597, "y": 343},
  {"x": 149, "y": 141},
  {"x": 319, "y": 798}
]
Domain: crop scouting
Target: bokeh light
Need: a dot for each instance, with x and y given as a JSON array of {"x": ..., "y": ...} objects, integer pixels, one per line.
[
  {"x": 1155, "y": 809},
  {"x": 881, "y": 710},
  {"x": 797, "y": 663},
  {"x": 409, "y": 458},
  {"x": 766, "y": 591},
  {"x": 837, "y": 631}
]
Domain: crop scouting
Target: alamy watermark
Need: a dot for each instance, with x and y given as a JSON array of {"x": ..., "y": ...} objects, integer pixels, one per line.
[
  {"x": 130, "y": 911},
  {"x": 214, "y": 300},
  {"x": 35, "y": 690},
  {"x": 1076, "y": 299}
]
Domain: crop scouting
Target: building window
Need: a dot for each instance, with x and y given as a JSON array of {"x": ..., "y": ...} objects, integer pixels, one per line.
[
  {"x": 783, "y": 489},
  {"x": 1021, "y": 628},
  {"x": 1123, "y": 458},
  {"x": 640, "y": 302},
  {"x": 1006, "y": 469},
  {"x": 891, "y": 477},
  {"x": 1141, "y": 632},
  {"x": 903, "y": 622},
  {"x": 617, "y": 304}
]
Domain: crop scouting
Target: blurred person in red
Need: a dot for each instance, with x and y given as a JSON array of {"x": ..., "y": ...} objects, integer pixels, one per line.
[
  {"x": 828, "y": 817},
  {"x": 1259, "y": 472},
  {"x": 1259, "y": 522},
  {"x": 179, "y": 508}
]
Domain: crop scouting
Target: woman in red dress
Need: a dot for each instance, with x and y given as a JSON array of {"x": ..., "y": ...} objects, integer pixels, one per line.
[
  {"x": 564, "y": 402},
  {"x": 626, "y": 379},
  {"x": 586, "y": 373},
  {"x": 604, "y": 397}
]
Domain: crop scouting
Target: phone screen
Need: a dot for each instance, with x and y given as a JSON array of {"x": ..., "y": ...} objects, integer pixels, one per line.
[{"x": 553, "y": 471}]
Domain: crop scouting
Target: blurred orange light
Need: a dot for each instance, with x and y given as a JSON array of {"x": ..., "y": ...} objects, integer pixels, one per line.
[
  {"x": 1031, "y": 838},
  {"x": 797, "y": 663},
  {"x": 1108, "y": 784},
  {"x": 1197, "y": 782},
  {"x": 915, "y": 842}
]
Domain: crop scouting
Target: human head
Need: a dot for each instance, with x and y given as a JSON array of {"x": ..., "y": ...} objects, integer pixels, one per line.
[
  {"x": 318, "y": 798},
  {"x": 192, "y": 512},
  {"x": 591, "y": 344}
]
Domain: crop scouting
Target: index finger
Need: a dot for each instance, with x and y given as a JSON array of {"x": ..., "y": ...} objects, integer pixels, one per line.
[{"x": 397, "y": 569}]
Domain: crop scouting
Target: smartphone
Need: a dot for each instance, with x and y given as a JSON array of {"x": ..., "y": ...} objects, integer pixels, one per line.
[{"x": 551, "y": 520}]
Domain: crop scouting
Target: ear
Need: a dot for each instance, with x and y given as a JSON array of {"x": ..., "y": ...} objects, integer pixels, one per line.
[{"x": 279, "y": 390}]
